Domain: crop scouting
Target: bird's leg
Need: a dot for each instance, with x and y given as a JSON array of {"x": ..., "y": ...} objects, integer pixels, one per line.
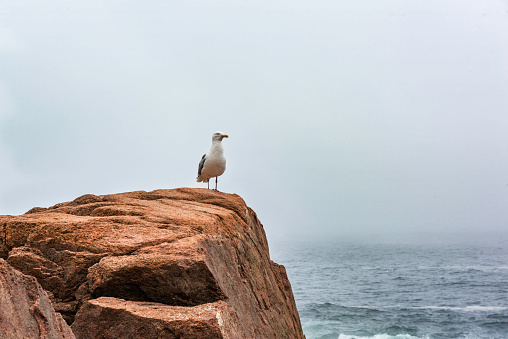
[
  {"x": 208, "y": 183},
  {"x": 216, "y": 183}
]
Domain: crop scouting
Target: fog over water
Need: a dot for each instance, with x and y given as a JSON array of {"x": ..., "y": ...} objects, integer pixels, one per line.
[{"x": 359, "y": 118}]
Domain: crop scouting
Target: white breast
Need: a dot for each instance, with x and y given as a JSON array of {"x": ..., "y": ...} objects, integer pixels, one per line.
[{"x": 215, "y": 163}]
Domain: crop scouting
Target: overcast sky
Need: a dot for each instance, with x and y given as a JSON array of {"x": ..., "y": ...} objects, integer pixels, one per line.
[{"x": 345, "y": 117}]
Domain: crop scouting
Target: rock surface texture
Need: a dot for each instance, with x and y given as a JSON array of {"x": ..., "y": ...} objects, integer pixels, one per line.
[
  {"x": 25, "y": 309},
  {"x": 181, "y": 263}
]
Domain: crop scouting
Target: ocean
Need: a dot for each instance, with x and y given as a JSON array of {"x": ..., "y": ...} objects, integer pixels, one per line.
[{"x": 424, "y": 288}]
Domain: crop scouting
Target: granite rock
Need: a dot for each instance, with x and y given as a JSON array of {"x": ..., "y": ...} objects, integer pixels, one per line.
[
  {"x": 25, "y": 308},
  {"x": 197, "y": 254}
]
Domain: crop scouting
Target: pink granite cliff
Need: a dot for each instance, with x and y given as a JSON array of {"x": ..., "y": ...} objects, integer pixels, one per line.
[{"x": 180, "y": 263}]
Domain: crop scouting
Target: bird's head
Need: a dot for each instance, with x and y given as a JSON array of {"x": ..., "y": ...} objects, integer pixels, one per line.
[{"x": 218, "y": 136}]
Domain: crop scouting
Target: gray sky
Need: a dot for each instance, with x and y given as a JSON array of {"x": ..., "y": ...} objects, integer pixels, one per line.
[{"x": 345, "y": 117}]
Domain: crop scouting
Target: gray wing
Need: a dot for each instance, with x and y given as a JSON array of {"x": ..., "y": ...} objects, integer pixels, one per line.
[{"x": 201, "y": 164}]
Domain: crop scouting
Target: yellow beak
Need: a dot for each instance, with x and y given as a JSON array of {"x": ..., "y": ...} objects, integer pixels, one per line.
[{"x": 225, "y": 136}]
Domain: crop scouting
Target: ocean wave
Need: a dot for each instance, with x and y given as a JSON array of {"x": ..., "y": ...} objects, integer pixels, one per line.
[
  {"x": 474, "y": 308},
  {"x": 381, "y": 336},
  {"x": 455, "y": 268},
  {"x": 464, "y": 268}
]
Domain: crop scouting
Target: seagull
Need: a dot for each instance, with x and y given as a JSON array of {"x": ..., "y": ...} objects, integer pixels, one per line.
[{"x": 213, "y": 163}]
